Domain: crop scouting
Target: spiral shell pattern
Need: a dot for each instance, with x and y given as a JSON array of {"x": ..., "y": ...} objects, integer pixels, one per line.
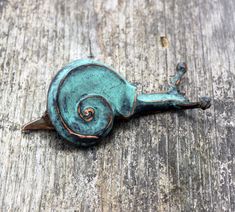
[
  {"x": 83, "y": 99},
  {"x": 92, "y": 117}
]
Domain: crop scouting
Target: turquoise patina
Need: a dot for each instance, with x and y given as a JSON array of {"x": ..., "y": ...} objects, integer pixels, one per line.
[
  {"x": 83, "y": 99},
  {"x": 85, "y": 96}
]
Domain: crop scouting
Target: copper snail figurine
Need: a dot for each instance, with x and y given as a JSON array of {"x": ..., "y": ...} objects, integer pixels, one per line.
[{"x": 86, "y": 96}]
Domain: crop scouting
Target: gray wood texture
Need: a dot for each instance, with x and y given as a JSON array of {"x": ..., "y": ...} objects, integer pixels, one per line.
[{"x": 180, "y": 161}]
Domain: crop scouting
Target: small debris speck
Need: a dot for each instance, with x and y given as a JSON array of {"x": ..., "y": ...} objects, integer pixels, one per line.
[{"x": 164, "y": 42}]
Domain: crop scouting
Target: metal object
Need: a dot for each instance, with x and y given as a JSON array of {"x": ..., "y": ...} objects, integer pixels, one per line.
[{"x": 85, "y": 96}]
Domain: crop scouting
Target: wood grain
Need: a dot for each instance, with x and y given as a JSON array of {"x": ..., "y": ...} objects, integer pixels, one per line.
[{"x": 166, "y": 162}]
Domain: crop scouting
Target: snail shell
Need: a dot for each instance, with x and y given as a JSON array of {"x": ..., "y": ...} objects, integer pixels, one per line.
[{"x": 83, "y": 99}]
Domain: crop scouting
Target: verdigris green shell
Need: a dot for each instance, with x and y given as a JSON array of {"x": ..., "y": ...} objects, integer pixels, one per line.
[{"x": 83, "y": 99}]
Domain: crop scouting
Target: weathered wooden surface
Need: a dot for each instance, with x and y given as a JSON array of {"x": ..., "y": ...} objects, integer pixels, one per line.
[{"x": 166, "y": 162}]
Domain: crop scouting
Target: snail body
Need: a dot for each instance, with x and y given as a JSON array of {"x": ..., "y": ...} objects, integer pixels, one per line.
[{"x": 85, "y": 97}]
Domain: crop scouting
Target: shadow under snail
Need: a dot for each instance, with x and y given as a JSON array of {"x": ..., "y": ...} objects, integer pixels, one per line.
[{"x": 85, "y": 96}]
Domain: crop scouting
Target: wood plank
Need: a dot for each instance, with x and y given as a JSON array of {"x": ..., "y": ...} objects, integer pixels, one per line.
[{"x": 180, "y": 161}]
